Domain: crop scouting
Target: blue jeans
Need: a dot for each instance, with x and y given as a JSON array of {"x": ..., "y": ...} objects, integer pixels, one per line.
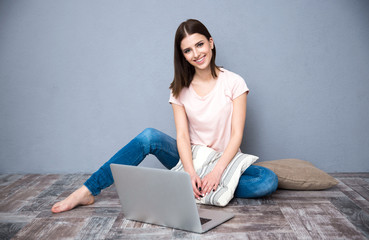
[{"x": 256, "y": 181}]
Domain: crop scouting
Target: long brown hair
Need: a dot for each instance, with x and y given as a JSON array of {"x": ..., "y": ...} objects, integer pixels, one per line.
[{"x": 183, "y": 70}]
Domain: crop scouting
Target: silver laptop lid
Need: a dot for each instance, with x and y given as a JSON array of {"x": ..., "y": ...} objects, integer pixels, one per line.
[{"x": 157, "y": 196}]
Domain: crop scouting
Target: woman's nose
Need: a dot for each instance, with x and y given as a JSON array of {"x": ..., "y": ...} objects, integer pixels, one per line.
[{"x": 195, "y": 53}]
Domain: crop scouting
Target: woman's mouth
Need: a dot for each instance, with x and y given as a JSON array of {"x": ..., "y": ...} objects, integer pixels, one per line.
[{"x": 200, "y": 60}]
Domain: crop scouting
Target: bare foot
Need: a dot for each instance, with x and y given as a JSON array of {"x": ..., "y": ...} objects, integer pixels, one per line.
[{"x": 81, "y": 196}]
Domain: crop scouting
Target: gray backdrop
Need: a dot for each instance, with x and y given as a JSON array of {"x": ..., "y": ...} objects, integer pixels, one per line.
[{"x": 80, "y": 79}]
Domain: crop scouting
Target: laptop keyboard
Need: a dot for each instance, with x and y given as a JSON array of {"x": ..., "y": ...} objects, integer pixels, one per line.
[{"x": 204, "y": 220}]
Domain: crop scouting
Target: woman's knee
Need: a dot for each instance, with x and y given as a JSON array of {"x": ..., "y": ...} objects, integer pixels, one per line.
[
  {"x": 257, "y": 181},
  {"x": 148, "y": 137}
]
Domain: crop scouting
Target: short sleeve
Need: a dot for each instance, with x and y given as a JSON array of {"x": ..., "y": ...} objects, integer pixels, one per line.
[
  {"x": 174, "y": 100},
  {"x": 238, "y": 86}
]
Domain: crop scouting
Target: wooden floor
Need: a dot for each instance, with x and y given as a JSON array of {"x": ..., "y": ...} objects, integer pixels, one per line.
[{"x": 341, "y": 212}]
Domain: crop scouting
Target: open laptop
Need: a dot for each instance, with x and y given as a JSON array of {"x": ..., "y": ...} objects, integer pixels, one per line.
[{"x": 162, "y": 197}]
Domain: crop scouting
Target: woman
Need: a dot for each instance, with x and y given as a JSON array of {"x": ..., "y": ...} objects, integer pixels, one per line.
[{"x": 209, "y": 106}]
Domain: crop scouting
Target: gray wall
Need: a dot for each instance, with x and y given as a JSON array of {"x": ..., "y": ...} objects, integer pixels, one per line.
[{"x": 79, "y": 79}]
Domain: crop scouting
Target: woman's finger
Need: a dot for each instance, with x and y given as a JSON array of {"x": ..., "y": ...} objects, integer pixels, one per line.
[
  {"x": 197, "y": 186},
  {"x": 206, "y": 189},
  {"x": 204, "y": 182},
  {"x": 211, "y": 188},
  {"x": 195, "y": 190}
]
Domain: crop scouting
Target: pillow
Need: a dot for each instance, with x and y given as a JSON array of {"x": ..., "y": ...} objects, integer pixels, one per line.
[
  {"x": 296, "y": 174},
  {"x": 204, "y": 160}
]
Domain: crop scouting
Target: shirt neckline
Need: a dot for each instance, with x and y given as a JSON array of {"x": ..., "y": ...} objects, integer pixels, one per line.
[{"x": 211, "y": 91}]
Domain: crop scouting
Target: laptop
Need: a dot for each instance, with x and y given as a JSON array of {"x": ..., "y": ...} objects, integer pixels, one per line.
[{"x": 162, "y": 197}]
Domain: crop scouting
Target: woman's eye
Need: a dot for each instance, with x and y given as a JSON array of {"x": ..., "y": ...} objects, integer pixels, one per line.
[
  {"x": 186, "y": 51},
  {"x": 200, "y": 44}
]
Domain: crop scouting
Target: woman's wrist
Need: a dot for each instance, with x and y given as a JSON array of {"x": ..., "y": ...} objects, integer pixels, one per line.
[
  {"x": 219, "y": 168},
  {"x": 190, "y": 171}
]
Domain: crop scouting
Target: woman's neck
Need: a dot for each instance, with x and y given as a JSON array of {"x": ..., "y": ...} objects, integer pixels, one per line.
[{"x": 204, "y": 75}]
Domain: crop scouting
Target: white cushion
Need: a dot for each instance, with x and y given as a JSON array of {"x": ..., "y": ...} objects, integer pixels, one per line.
[{"x": 204, "y": 160}]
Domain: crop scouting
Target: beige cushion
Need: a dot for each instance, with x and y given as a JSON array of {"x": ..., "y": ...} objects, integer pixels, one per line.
[{"x": 296, "y": 174}]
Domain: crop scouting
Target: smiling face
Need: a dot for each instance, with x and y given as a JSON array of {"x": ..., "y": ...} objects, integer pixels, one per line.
[{"x": 197, "y": 50}]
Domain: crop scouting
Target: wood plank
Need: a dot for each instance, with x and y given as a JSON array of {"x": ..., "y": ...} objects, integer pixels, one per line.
[
  {"x": 96, "y": 228},
  {"x": 286, "y": 194},
  {"x": 11, "y": 223},
  {"x": 123, "y": 223},
  {"x": 319, "y": 221},
  {"x": 65, "y": 185},
  {"x": 295, "y": 222},
  {"x": 7, "y": 179},
  {"x": 37, "y": 204},
  {"x": 21, "y": 183},
  {"x": 354, "y": 196},
  {"x": 255, "y": 219},
  {"x": 359, "y": 185},
  {"x": 247, "y": 219},
  {"x": 28, "y": 184},
  {"x": 140, "y": 234},
  {"x": 8, "y": 230},
  {"x": 72, "y": 181},
  {"x": 168, "y": 233},
  {"x": 353, "y": 213},
  {"x": 366, "y": 180},
  {"x": 19, "y": 197},
  {"x": 85, "y": 211},
  {"x": 259, "y": 236},
  {"x": 126, "y": 229},
  {"x": 350, "y": 175},
  {"x": 252, "y": 201},
  {"x": 54, "y": 193},
  {"x": 107, "y": 198},
  {"x": 16, "y": 218},
  {"x": 297, "y": 200},
  {"x": 51, "y": 228}
]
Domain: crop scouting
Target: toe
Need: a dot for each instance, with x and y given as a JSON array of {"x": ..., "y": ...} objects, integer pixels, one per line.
[{"x": 55, "y": 209}]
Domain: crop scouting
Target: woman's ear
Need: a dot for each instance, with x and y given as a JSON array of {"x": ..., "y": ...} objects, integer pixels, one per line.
[{"x": 211, "y": 42}]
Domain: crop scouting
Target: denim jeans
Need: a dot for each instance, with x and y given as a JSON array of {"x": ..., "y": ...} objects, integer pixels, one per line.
[{"x": 256, "y": 181}]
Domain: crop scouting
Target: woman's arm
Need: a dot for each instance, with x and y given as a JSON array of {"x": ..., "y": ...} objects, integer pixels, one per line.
[
  {"x": 184, "y": 147},
  {"x": 211, "y": 180}
]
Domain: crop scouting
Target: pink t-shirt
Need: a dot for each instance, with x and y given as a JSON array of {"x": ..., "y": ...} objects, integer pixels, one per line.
[{"x": 210, "y": 117}]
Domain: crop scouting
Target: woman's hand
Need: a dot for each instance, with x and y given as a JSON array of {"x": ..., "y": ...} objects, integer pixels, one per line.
[
  {"x": 211, "y": 181},
  {"x": 196, "y": 185}
]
